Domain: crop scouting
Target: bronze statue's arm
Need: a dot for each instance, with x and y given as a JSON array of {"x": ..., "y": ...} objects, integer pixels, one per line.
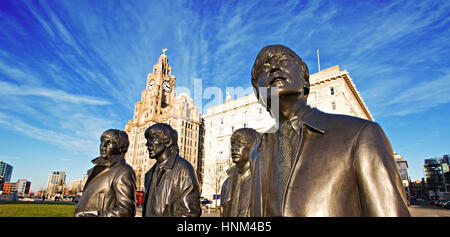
[
  {"x": 380, "y": 188},
  {"x": 225, "y": 195},
  {"x": 124, "y": 187},
  {"x": 188, "y": 203}
]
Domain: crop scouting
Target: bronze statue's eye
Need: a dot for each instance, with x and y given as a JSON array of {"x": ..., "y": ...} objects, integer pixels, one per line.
[
  {"x": 266, "y": 65},
  {"x": 283, "y": 61}
]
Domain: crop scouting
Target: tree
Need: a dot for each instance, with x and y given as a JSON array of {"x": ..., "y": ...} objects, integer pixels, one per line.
[{"x": 217, "y": 175}]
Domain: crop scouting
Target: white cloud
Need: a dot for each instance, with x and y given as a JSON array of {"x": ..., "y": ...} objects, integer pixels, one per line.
[{"x": 9, "y": 89}]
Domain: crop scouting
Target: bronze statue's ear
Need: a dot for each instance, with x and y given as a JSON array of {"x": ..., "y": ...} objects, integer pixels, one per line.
[
  {"x": 168, "y": 144},
  {"x": 123, "y": 150}
]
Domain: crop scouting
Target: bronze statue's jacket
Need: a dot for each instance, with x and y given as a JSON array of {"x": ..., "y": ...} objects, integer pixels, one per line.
[
  {"x": 109, "y": 189},
  {"x": 227, "y": 192},
  {"x": 344, "y": 167},
  {"x": 177, "y": 193}
]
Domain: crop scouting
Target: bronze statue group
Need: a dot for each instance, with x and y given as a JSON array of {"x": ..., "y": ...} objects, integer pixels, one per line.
[{"x": 314, "y": 164}]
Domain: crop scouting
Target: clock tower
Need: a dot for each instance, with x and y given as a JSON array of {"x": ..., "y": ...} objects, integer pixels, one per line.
[
  {"x": 160, "y": 104},
  {"x": 158, "y": 96}
]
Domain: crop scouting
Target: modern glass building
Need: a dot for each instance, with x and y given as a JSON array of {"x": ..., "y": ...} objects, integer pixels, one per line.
[
  {"x": 437, "y": 175},
  {"x": 5, "y": 171}
]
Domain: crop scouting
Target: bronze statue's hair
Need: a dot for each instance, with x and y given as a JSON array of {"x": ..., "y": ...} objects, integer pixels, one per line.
[
  {"x": 246, "y": 135},
  {"x": 120, "y": 137},
  {"x": 271, "y": 51},
  {"x": 165, "y": 133}
]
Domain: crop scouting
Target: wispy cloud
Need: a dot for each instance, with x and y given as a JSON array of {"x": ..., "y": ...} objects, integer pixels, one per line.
[
  {"x": 420, "y": 97},
  {"x": 82, "y": 139},
  {"x": 58, "y": 95}
]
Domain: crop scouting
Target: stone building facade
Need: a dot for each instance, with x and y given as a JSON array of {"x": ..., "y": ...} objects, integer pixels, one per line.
[
  {"x": 160, "y": 104},
  {"x": 331, "y": 90},
  {"x": 56, "y": 181}
]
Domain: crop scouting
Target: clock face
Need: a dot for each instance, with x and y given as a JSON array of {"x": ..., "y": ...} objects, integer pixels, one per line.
[
  {"x": 150, "y": 84},
  {"x": 166, "y": 86}
]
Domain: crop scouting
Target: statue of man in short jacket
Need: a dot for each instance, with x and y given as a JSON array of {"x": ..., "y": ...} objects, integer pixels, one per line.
[
  {"x": 317, "y": 164},
  {"x": 235, "y": 194},
  {"x": 171, "y": 187},
  {"x": 111, "y": 185}
]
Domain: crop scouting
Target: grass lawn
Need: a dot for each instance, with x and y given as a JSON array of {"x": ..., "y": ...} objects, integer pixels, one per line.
[{"x": 25, "y": 209}]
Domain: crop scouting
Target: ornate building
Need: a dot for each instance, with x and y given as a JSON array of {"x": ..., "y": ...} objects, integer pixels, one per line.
[
  {"x": 160, "y": 104},
  {"x": 332, "y": 91}
]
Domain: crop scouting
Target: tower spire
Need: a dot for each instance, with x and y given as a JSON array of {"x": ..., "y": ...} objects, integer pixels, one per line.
[{"x": 164, "y": 51}]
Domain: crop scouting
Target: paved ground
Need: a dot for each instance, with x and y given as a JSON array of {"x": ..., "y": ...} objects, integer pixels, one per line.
[
  {"x": 205, "y": 212},
  {"x": 428, "y": 211},
  {"x": 415, "y": 210}
]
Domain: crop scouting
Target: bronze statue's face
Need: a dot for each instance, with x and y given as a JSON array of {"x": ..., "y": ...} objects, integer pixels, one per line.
[
  {"x": 108, "y": 147},
  {"x": 240, "y": 151},
  {"x": 155, "y": 147},
  {"x": 282, "y": 72}
]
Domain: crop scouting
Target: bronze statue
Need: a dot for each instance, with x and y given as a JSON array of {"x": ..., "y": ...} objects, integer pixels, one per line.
[
  {"x": 318, "y": 164},
  {"x": 235, "y": 194},
  {"x": 171, "y": 187},
  {"x": 110, "y": 187}
]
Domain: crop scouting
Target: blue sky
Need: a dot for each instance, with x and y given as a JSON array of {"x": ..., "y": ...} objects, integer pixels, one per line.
[{"x": 71, "y": 69}]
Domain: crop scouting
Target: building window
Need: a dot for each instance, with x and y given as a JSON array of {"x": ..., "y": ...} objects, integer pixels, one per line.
[
  {"x": 332, "y": 90},
  {"x": 221, "y": 121},
  {"x": 232, "y": 129},
  {"x": 333, "y": 105},
  {"x": 245, "y": 125}
]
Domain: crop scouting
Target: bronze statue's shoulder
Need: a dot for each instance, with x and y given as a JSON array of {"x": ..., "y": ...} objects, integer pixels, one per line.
[{"x": 329, "y": 121}]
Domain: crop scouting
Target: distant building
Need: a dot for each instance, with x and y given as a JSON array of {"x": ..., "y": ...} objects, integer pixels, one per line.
[
  {"x": 5, "y": 171},
  {"x": 9, "y": 187},
  {"x": 83, "y": 183},
  {"x": 23, "y": 186},
  {"x": 56, "y": 182},
  {"x": 402, "y": 166},
  {"x": 437, "y": 175},
  {"x": 1, "y": 183},
  {"x": 76, "y": 186},
  {"x": 332, "y": 90},
  {"x": 419, "y": 189}
]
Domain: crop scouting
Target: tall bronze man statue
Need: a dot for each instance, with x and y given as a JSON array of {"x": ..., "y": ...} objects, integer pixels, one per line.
[
  {"x": 317, "y": 164},
  {"x": 171, "y": 187},
  {"x": 235, "y": 194},
  {"x": 110, "y": 187}
]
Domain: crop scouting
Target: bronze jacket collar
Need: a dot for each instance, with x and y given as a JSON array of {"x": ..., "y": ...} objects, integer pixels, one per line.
[
  {"x": 310, "y": 118},
  {"x": 112, "y": 160},
  {"x": 169, "y": 163}
]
